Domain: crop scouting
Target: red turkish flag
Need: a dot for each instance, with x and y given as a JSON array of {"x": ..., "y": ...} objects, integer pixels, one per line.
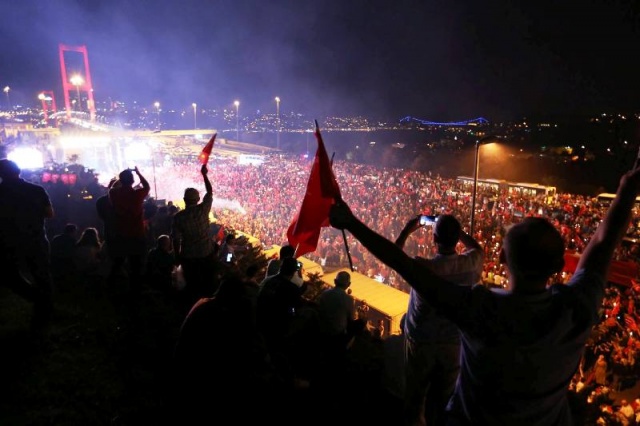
[
  {"x": 322, "y": 191},
  {"x": 206, "y": 151}
]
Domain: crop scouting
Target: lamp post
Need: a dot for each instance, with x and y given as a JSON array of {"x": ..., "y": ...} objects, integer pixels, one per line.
[
  {"x": 476, "y": 164},
  {"x": 157, "y": 105},
  {"x": 195, "y": 119},
  {"x": 77, "y": 81},
  {"x": 237, "y": 104},
  {"x": 6, "y": 91},
  {"x": 278, "y": 122}
]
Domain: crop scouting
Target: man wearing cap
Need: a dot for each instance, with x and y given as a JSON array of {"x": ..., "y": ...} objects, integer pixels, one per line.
[
  {"x": 193, "y": 245},
  {"x": 336, "y": 314},
  {"x": 432, "y": 343},
  {"x": 23, "y": 241},
  {"x": 336, "y": 309}
]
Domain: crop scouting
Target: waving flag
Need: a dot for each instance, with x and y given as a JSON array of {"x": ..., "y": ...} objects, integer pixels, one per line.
[
  {"x": 322, "y": 191},
  {"x": 206, "y": 151}
]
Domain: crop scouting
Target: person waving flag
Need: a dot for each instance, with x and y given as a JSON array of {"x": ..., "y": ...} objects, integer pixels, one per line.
[{"x": 206, "y": 151}]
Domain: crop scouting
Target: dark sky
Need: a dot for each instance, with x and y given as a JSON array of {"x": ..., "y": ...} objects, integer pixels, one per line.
[{"x": 437, "y": 60}]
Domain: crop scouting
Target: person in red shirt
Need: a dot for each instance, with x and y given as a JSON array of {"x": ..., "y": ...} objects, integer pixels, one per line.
[{"x": 128, "y": 243}]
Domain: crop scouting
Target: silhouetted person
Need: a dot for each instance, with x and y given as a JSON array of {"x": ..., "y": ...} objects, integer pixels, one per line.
[
  {"x": 88, "y": 256},
  {"x": 160, "y": 264},
  {"x": 432, "y": 342},
  {"x": 128, "y": 243},
  {"x": 24, "y": 248},
  {"x": 193, "y": 244},
  {"x": 336, "y": 310},
  {"x": 221, "y": 361},
  {"x": 62, "y": 248},
  {"x": 105, "y": 212},
  {"x": 273, "y": 266},
  {"x": 279, "y": 305},
  {"x": 520, "y": 347}
]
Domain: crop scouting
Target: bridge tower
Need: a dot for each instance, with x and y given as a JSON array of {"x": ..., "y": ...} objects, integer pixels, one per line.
[
  {"x": 81, "y": 83},
  {"x": 47, "y": 97}
]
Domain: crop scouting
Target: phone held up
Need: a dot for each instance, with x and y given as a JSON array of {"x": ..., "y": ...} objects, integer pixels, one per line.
[{"x": 426, "y": 220}]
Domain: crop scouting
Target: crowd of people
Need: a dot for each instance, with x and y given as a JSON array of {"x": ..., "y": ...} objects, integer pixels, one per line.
[{"x": 262, "y": 200}]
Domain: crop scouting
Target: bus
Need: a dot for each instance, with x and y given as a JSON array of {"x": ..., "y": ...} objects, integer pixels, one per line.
[
  {"x": 513, "y": 188},
  {"x": 496, "y": 185},
  {"x": 605, "y": 199},
  {"x": 533, "y": 189}
]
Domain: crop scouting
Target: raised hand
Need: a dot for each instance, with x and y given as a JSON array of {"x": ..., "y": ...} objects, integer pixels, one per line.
[{"x": 340, "y": 215}]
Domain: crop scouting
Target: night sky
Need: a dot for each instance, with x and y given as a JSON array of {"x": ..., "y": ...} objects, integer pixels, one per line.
[{"x": 437, "y": 60}]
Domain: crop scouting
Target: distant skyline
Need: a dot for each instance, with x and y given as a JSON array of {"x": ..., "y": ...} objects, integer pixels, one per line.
[{"x": 433, "y": 60}]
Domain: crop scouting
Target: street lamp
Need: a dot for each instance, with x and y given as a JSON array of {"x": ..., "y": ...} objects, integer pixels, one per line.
[
  {"x": 195, "y": 119},
  {"x": 6, "y": 91},
  {"x": 278, "y": 122},
  {"x": 482, "y": 141},
  {"x": 77, "y": 81},
  {"x": 157, "y": 105},
  {"x": 237, "y": 104}
]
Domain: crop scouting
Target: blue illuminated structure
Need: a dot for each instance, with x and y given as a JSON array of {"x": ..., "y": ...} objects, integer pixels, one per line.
[{"x": 477, "y": 121}]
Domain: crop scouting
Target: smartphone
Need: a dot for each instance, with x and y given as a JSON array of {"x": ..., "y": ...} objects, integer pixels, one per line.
[
  {"x": 229, "y": 257},
  {"x": 426, "y": 220}
]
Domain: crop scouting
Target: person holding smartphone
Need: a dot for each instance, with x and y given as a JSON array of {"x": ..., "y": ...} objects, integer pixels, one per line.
[{"x": 432, "y": 343}]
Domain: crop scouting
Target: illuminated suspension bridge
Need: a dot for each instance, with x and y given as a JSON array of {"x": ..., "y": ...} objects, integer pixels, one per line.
[{"x": 472, "y": 122}]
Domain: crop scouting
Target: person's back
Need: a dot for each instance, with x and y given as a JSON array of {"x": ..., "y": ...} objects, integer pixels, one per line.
[
  {"x": 277, "y": 303},
  {"x": 128, "y": 211},
  {"x": 24, "y": 246},
  {"x": 273, "y": 266},
  {"x": 523, "y": 353},
  {"x": 220, "y": 360},
  {"x": 193, "y": 244},
  {"x": 520, "y": 347},
  {"x": 127, "y": 239},
  {"x": 160, "y": 264},
  {"x": 336, "y": 308},
  {"x": 22, "y": 213},
  {"x": 432, "y": 341},
  {"x": 88, "y": 253}
]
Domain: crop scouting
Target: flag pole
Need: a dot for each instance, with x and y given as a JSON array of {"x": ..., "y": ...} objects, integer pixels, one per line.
[{"x": 344, "y": 234}]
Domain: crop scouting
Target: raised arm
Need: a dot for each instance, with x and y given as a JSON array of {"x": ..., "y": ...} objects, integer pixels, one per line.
[
  {"x": 598, "y": 253},
  {"x": 469, "y": 242},
  {"x": 412, "y": 225},
  {"x": 414, "y": 272},
  {"x": 207, "y": 183},
  {"x": 143, "y": 181}
]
